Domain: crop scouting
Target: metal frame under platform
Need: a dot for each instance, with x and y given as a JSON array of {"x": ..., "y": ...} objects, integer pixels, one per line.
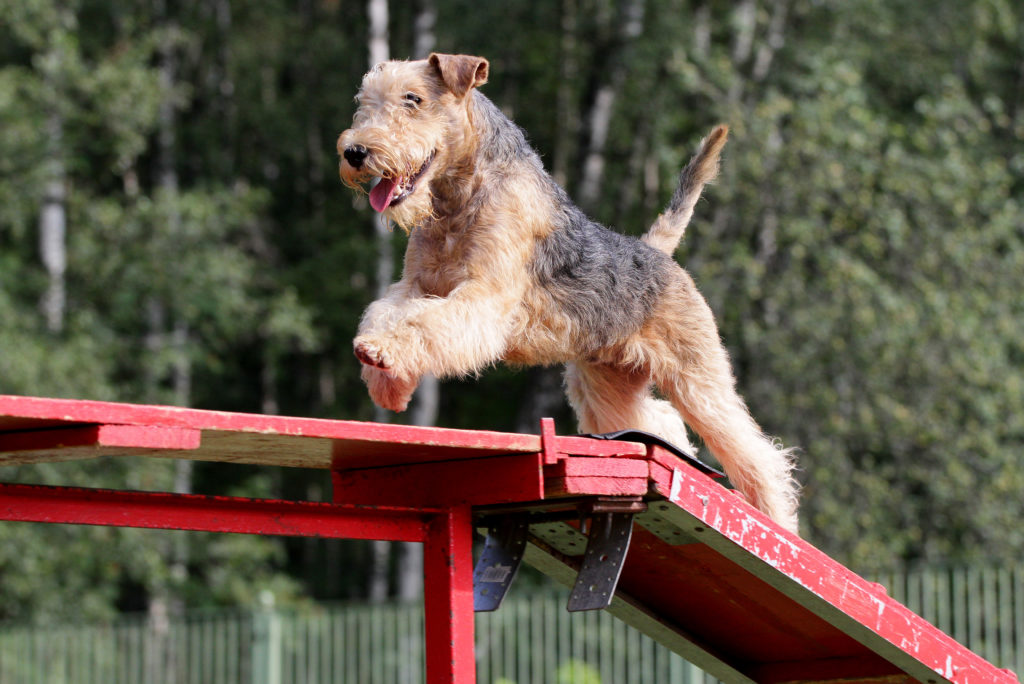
[{"x": 633, "y": 527}]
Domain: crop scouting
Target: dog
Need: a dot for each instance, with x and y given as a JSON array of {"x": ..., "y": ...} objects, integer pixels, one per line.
[{"x": 502, "y": 266}]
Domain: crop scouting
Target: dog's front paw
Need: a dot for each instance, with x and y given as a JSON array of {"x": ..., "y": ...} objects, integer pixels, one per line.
[
  {"x": 373, "y": 353},
  {"x": 386, "y": 391}
]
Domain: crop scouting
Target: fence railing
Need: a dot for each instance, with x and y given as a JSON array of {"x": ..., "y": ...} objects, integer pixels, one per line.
[
  {"x": 529, "y": 640},
  {"x": 982, "y": 608}
]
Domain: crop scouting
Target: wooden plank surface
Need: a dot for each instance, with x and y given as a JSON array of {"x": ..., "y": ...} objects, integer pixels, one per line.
[
  {"x": 92, "y": 441},
  {"x": 251, "y": 438},
  {"x": 268, "y": 440}
]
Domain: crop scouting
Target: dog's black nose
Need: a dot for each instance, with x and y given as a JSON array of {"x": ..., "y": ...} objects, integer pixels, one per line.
[{"x": 355, "y": 155}]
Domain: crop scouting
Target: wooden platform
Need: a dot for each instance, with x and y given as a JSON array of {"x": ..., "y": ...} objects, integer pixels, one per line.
[{"x": 705, "y": 574}]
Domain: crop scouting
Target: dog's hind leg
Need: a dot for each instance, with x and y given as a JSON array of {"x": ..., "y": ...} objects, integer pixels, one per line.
[
  {"x": 700, "y": 385},
  {"x": 679, "y": 346},
  {"x": 607, "y": 398}
]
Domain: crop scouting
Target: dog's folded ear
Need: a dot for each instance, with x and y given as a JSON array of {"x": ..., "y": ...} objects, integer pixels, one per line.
[{"x": 460, "y": 72}]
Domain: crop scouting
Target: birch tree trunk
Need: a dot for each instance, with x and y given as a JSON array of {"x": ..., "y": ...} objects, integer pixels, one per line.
[
  {"x": 600, "y": 114},
  {"x": 377, "y": 11},
  {"x": 427, "y": 399},
  {"x": 164, "y": 603},
  {"x": 546, "y": 396},
  {"x": 53, "y": 228},
  {"x": 423, "y": 29},
  {"x": 750, "y": 68},
  {"x": 567, "y": 115},
  {"x": 380, "y": 551},
  {"x": 53, "y": 212}
]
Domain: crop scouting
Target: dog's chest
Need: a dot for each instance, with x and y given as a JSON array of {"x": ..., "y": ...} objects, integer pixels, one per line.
[{"x": 440, "y": 263}]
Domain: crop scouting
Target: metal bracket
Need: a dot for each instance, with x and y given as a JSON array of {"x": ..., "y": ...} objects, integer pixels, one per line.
[
  {"x": 499, "y": 561},
  {"x": 611, "y": 528}
]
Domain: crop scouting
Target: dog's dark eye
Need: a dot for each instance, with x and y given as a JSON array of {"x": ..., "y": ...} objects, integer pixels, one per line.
[{"x": 412, "y": 99}]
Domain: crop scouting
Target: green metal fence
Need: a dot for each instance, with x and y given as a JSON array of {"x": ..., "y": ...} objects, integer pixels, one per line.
[
  {"x": 530, "y": 640},
  {"x": 982, "y": 608}
]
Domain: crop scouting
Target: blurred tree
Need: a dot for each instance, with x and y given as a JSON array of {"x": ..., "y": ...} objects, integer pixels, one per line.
[
  {"x": 150, "y": 271},
  {"x": 862, "y": 249},
  {"x": 862, "y": 256}
]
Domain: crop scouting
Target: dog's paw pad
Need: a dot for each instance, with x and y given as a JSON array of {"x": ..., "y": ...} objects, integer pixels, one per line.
[{"x": 371, "y": 355}]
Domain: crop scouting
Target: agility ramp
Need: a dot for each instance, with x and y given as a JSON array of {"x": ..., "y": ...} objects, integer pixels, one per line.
[{"x": 635, "y": 529}]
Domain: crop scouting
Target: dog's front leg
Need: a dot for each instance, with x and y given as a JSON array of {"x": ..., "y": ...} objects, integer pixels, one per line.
[
  {"x": 400, "y": 340},
  {"x": 380, "y": 320},
  {"x": 381, "y": 317}
]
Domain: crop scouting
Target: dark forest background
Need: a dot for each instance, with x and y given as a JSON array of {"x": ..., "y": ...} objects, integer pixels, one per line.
[{"x": 172, "y": 230}]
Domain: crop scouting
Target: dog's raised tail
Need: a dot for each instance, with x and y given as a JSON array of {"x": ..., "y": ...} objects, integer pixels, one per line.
[{"x": 668, "y": 229}]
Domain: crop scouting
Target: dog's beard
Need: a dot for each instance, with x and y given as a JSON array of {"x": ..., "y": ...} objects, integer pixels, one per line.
[
  {"x": 413, "y": 211},
  {"x": 403, "y": 196},
  {"x": 393, "y": 189}
]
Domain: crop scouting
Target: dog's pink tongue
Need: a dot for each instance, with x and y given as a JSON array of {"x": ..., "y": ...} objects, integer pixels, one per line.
[{"x": 382, "y": 193}]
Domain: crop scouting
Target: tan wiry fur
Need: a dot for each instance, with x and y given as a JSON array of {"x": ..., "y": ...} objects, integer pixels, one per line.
[{"x": 501, "y": 266}]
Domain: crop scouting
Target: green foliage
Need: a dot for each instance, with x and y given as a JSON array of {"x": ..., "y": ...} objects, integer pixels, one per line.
[
  {"x": 862, "y": 249},
  {"x": 577, "y": 672},
  {"x": 869, "y": 258}
]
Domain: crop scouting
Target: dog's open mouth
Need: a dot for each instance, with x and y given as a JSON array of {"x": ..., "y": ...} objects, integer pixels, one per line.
[{"x": 390, "y": 191}]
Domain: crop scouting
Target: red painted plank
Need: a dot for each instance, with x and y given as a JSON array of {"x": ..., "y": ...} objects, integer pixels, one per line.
[
  {"x": 581, "y": 475},
  {"x": 92, "y": 441},
  {"x": 448, "y": 599},
  {"x": 585, "y": 446},
  {"x": 548, "y": 438},
  {"x": 290, "y": 441},
  {"x": 556, "y": 447},
  {"x": 736, "y": 614},
  {"x": 811, "y": 581},
  {"x": 582, "y": 466},
  {"x": 594, "y": 486},
  {"x": 861, "y": 670},
  {"x": 142, "y": 437},
  {"x": 358, "y": 440},
  {"x": 658, "y": 455},
  {"x": 31, "y": 503},
  {"x": 495, "y": 480}
]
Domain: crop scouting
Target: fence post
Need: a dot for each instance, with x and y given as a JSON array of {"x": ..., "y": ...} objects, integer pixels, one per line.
[{"x": 266, "y": 646}]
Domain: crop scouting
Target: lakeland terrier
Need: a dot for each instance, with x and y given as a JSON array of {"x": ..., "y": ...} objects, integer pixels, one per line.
[{"x": 502, "y": 266}]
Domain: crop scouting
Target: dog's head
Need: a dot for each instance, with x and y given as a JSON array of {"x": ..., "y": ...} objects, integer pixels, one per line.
[{"x": 411, "y": 126}]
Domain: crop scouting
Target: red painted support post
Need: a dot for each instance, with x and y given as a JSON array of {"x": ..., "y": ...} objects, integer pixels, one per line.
[{"x": 448, "y": 600}]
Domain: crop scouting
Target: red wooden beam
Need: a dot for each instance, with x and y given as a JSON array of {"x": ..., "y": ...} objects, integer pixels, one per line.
[
  {"x": 153, "y": 510},
  {"x": 573, "y": 475},
  {"x": 446, "y": 534},
  {"x": 493, "y": 480}
]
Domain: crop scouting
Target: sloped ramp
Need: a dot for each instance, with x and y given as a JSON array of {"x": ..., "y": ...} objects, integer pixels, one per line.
[{"x": 722, "y": 585}]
